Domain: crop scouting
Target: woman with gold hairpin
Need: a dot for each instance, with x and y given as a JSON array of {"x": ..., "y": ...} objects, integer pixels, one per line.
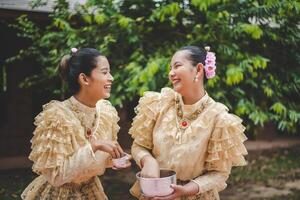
[
  {"x": 75, "y": 139},
  {"x": 185, "y": 130}
]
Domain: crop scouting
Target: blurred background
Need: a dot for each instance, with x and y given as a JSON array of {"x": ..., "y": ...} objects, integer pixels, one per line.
[{"x": 258, "y": 76}]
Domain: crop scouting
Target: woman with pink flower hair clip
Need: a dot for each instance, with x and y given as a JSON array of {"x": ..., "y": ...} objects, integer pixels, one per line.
[{"x": 183, "y": 129}]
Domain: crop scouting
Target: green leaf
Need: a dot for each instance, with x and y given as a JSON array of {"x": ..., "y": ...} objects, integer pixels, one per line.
[
  {"x": 279, "y": 108},
  {"x": 268, "y": 91},
  {"x": 169, "y": 11},
  {"x": 253, "y": 30},
  {"x": 87, "y": 18},
  {"x": 243, "y": 107},
  {"x": 258, "y": 117},
  {"x": 100, "y": 18},
  {"x": 203, "y": 5},
  {"x": 234, "y": 75},
  {"x": 294, "y": 116},
  {"x": 124, "y": 21},
  {"x": 212, "y": 82}
]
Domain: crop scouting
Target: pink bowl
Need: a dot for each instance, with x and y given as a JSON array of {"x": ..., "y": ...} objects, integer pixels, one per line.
[
  {"x": 152, "y": 187},
  {"x": 121, "y": 162}
]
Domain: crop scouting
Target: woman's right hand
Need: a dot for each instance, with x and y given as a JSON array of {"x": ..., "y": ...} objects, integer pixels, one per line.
[
  {"x": 111, "y": 147},
  {"x": 150, "y": 167}
]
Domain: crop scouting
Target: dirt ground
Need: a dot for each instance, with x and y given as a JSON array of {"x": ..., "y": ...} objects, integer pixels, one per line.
[{"x": 273, "y": 172}]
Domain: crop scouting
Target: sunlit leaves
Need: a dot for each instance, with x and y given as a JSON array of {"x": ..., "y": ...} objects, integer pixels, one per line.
[
  {"x": 279, "y": 108},
  {"x": 100, "y": 18},
  {"x": 268, "y": 91},
  {"x": 204, "y": 4},
  {"x": 234, "y": 75},
  {"x": 169, "y": 12},
  {"x": 253, "y": 30},
  {"x": 256, "y": 44},
  {"x": 124, "y": 21},
  {"x": 258, "y": 117}
]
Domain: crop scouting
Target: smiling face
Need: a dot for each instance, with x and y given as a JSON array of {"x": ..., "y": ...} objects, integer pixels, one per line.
[
  {"x": 100, "y": 80},
  {"x": 182, "y": 73}
]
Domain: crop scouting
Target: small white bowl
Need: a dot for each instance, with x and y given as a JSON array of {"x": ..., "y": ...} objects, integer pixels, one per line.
[
  {"x": 152, "y": 187},
  {"x": 121, "y": 162}
]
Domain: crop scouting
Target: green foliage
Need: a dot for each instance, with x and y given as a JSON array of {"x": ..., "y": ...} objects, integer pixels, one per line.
[
  {"x": 253, "y": 30},
  {"x": 256, "y": 43}
]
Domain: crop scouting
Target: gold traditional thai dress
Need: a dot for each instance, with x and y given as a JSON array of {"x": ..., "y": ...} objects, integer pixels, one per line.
[
  {"x": 202, "y": 149},
  {"x": 62, "y": 154}
]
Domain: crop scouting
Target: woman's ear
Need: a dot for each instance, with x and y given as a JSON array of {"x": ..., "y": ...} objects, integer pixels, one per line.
[
  {"x": 83, "y": 79},
  {"x": 199, "y": 68}
]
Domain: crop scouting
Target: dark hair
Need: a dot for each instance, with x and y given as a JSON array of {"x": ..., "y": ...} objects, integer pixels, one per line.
[
  {"x": 82, "y": 61},
  {"x": 196, "y": 55}
]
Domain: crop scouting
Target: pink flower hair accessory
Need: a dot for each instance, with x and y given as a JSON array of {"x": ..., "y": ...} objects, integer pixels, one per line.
[{"x": 210, "y": 63}]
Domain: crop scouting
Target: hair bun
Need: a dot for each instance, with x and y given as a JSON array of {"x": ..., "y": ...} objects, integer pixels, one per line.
[{"x": 63, "y": 67}]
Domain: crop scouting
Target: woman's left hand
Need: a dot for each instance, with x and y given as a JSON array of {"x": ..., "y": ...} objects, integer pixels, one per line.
[
  {"x": 189, "y": 189},
  {"x": 179, "y": 191}
]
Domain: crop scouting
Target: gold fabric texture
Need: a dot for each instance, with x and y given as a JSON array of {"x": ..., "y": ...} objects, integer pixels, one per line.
[
  {"x": 204, "y": 153},
  {"x": 62, "y": 155}
]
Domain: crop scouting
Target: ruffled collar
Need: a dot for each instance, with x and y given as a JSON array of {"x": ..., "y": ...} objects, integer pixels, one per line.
[
  {"x": 187, "y": 109},
  {"x": 81, "y": 107}
]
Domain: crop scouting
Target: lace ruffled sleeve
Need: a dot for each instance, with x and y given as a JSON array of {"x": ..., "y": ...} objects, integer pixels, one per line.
[
  {"x": 226, "y": 148},
  {"x": 108, "y": 118},
  {"x": 142, "y": 126},
  {"x": 51, "y": 142}
]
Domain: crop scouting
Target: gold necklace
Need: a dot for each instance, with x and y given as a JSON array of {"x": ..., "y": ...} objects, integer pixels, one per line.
[
  {"x": 184, "y": 122},
  {"x": 89, "y": 134}
]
